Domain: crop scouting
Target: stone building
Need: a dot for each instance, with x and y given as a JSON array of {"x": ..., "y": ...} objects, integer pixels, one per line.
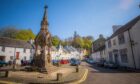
[
  {"x": 123, "y": 46},
  {"x": 98, "y": 49}
]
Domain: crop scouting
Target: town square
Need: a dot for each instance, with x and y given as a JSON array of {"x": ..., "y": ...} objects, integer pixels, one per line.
[{"x": 69, "y": 42}]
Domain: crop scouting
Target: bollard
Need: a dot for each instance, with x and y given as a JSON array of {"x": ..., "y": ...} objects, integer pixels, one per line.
[
  {"x": 59, "y": 76},
  {"x": 77, "y": 68},
  {"x": 6, "y": 73},
  {"x": 59, "y": 64}
]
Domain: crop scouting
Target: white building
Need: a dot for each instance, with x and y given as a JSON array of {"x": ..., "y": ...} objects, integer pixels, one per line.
[
  {"x": 65, "y": 53},
  {"x": 73, "y": 52},
  {"x": 123, "y": 47},
  {"x": 11, "y": 49}
]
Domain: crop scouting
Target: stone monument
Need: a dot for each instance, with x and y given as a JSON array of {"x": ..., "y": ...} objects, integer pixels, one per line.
[{"x": 42, "y": 58}]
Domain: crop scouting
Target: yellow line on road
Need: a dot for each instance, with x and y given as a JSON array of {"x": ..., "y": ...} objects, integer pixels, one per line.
[{"x": 82, "y": 79}]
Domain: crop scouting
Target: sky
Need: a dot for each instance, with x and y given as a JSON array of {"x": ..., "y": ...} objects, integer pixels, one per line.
[{"x": 87, "y": 17}]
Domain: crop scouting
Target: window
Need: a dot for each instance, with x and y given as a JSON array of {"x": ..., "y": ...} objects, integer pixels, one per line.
[
  {"x": 3, "y": 49},
  {"x": 110, "y": 57},
  {"x": 121, "y": 38},
  {"x": 114, "y": 42},
  {"x": 109, "y": 44},
  {"x": 31, "y": 57},
  {"x": 24, "y": 50},
  {"x": 123, "y": 54},
  {"x": 11, "y": 57},
  {"x": 30, "y": 50},
  {"x": 24, "y": 57}
]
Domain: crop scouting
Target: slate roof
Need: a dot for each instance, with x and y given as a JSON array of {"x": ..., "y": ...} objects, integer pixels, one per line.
[
  {"x": 8, "y": 42},
  {"x": 70, "y": 48},
  {"x": 125, "y": 27}
]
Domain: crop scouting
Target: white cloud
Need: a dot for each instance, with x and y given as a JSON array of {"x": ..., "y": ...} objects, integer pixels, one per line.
[{"x": 126, "y": 4}]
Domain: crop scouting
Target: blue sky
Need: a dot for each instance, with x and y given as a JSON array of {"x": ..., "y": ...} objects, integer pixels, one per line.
[{"x": 87, "y": 17}]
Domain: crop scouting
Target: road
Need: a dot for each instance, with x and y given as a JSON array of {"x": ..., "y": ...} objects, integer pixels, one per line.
[{"x": 100, "y": 75}]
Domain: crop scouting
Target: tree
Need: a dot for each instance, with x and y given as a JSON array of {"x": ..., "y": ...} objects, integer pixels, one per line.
[
  {"x": 8, "y": 32},
  {"x": 78, "y": 42},
  {"x": 55, "y": 41},
  {"x": 90, "y": 38},
  {"x": 64, "y": 42},
  {"x": 12, "y": 32},
  {"x": 25, "y": 35},
  {"x": 87, "y": 43}
]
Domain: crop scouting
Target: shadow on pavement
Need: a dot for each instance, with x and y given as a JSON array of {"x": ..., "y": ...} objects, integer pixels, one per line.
[{"x": 98, "y": 69}]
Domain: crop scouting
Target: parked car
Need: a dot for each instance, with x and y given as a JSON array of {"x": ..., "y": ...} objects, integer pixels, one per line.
[
  {"x": 64, "y": 61},
  {"x": 110, "y": 65},
  {"x": 90, "y": 61},
  {"x": 101, "y": 62},
  {"x": 3, "y": 63},
  {"x": 55, "y": 62},
  {"x": 75, "y": 62}
]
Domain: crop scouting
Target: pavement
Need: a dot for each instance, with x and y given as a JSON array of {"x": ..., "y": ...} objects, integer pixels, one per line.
[
  {"x": 101, "y": 75},
  {"x": 69, "y": 76},
  {"x": 91, "y": 74}
]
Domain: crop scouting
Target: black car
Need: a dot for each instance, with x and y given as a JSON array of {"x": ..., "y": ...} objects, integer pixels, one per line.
[
  {"x": 111, "y": 65},
  {"x": 101, "y": 62}
]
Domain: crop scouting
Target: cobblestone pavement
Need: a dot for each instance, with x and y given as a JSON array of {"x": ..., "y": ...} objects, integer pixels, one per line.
[{"x": 99, "y": 75}]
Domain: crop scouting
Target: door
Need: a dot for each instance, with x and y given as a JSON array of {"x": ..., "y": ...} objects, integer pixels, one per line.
[
  {"x": 2, "y": 58},
  {"x": 116, "y": 58}
]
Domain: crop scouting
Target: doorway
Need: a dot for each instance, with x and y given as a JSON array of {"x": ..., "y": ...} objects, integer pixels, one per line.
[
  {"x": 116, "y": 58},
  {"x": 2, "y": 58}
]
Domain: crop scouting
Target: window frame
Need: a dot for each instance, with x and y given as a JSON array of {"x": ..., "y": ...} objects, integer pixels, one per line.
[
  {"x": 121, "y": 38},
  {"x": 110, "y": 56},
  {"x": 3, "y": 48},
  {"x": 24, "y": 50},
  {"x": 124, "y": 55},
  {"x": 114, "y": 42},
  {"x": 109, "y": 44}
]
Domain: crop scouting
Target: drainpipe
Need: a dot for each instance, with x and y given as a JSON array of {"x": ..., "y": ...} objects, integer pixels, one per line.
[
  {"x": 131, "y": 45},
  {"x": 14, "y": 61}
]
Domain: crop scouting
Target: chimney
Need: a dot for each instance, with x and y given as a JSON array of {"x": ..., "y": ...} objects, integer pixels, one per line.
[
  {"x": 115, "y": 27},
  {"x": 101, "y": 36}
]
